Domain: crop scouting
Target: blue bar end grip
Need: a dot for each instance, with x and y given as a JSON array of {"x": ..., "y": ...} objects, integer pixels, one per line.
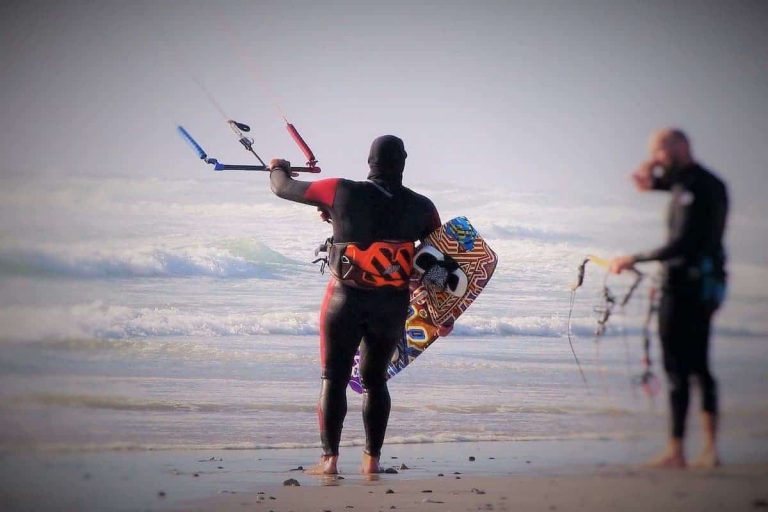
[{"x": 193, "y": 144}]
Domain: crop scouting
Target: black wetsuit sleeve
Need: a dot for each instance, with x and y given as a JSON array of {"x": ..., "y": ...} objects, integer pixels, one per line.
[
  {"x": 682, "y": 241},
  {"x": 698, "y": 216},
  {"x": 320, "y": 193}
]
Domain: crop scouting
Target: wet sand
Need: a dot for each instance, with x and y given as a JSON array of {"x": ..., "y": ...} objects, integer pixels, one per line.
[
  {"x": 577, "y": 474},
  {"x": 738, "y": 487}
]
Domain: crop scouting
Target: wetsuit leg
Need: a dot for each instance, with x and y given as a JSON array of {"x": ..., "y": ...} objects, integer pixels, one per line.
[
  {"x": 340, "y": 334},
  {"x": 383, "y": 329},
  {"x": 684, "y": 328},
  {"x": 673, "y": 324},
  {"x": 700, "y": 359}
]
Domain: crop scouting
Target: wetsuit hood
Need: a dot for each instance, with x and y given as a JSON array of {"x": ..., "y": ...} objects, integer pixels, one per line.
[{"x": 387, "y": 160}]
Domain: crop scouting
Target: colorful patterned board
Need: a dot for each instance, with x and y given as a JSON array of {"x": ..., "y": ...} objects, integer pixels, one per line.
[{"x": 431, "y": 308}]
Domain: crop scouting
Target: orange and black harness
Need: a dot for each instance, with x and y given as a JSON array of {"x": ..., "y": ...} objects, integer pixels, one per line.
[{"x": 383, "y": 264}]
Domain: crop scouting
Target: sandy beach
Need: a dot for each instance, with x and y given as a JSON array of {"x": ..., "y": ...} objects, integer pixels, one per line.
[
  {"x": 597, "y": 474},
  {"x": 739, "y": 487}
]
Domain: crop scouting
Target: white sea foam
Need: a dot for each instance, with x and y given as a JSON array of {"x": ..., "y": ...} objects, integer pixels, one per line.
[
  {"x": 475, "y": 325},
  {"x": 99, "y": 320},
  {"x": 517, "y": 232},
  {"x": 425, "y": 438},
  {"x": 244, "y": 258}
]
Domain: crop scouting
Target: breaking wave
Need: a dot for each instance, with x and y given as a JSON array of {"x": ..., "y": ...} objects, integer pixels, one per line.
[
  {"x": 97, "y": 320},
  {"x": 517, "y": 232},
  {"x": 244, "y": 258}
]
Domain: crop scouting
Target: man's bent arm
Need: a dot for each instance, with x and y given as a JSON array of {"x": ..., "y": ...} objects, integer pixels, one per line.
[{"x": 317, "y": 193}]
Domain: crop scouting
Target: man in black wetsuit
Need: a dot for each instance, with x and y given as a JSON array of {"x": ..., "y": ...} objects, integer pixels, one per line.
[
  {"x": 375, "y": 224},
  {"x": 694, "y": 282}
]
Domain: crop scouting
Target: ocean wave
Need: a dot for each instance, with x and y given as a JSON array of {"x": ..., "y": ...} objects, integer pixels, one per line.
[
  {"x": 100, "y": 321},
  {"x": 547, "y": 326},
  {"x": 556, "y": 326},
  {"x": 103, "y": 321},
  {"x": 243, "y": 258},
  {"x": 122, "y": 403},
  {"x": 425, "y": 438},
  {"x": 526, "y": 409},
  {"x": 518, "y": 232},
  {"x": 97, "y": 320},
  {"x": 139, "y": 404}
]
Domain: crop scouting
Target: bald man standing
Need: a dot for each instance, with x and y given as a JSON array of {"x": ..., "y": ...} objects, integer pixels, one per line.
[{"x": 693, "y": 285}]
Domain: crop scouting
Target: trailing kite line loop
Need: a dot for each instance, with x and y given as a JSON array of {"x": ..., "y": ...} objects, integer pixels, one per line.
[
  {"x": 605, "y": 309},
  {"x": 647, "y": 380},
  {"x": 570, "y": 341}
]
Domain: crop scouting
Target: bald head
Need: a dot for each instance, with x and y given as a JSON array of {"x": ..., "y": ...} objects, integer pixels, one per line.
[{"x": 671, "y": 148}]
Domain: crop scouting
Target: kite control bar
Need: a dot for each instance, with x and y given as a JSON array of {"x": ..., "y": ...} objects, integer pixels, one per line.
[{"x": 238, "y": 128}]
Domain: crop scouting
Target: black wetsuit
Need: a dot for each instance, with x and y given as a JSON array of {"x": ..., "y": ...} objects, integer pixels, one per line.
[
  {"x": 362, "y": 213},
  {"x": 693, "y": 284}
]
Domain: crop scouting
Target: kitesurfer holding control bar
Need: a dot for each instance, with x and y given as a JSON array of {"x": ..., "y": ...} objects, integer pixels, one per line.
[{"x": 375, "y": 224}]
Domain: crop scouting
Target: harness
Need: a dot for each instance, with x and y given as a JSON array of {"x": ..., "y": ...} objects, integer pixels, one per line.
[{"x": 383, "y": 264}]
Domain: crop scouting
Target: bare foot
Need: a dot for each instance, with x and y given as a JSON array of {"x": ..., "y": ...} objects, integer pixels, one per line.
[
  {"x": 326, "y": 466},
  {"x": 370, "y": 465},
  {"x": 668, "y": 459},
  {"x": 708, "y": 459}
]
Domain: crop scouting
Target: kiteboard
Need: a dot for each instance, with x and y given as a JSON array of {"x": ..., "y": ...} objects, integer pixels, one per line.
[{"x": 474, "y": 263}]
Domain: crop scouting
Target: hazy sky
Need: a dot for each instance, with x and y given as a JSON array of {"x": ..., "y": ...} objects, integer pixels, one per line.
[{"x": 557, "y": 94}]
